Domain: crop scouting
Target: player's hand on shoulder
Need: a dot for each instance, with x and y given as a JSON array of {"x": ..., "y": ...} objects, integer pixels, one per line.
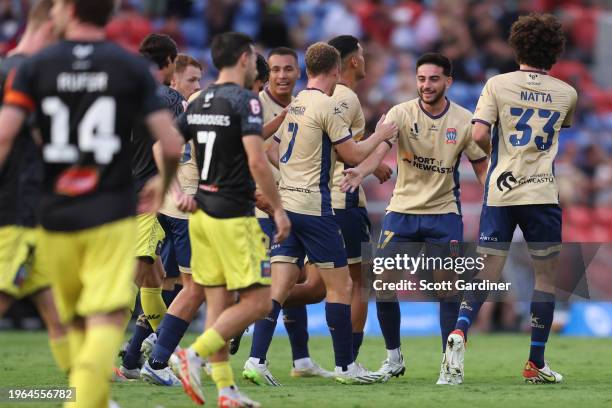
[
  {"x": 351, "y": 181},
  {"x": 184, "y": 202},
  {"x": 387, "y": 130},
  {"x": 283, "y": 225},
  {"x": 383, "y": 173},
  {"x": 262, "y": 203},
  {"x": 151, "y": 196}
]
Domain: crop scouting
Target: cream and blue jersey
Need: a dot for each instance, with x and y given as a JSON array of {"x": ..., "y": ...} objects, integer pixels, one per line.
[{"x": 526, "y": 110}]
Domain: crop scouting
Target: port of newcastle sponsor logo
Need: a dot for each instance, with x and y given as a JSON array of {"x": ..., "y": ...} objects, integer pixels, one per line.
[
  {"x": 451, "y": 136},
  {"x": 426, "y": 163}
]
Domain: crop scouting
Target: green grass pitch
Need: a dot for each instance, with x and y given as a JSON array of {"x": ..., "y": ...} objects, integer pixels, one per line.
[{"x": 493, "y": 375}]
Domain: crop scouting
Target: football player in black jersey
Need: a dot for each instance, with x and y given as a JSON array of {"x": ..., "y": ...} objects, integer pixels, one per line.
[
  {"x": 176, "y": 248},
  {"x": 85, "y": 93},
  {"x": 229, "y": 253},
  {"x": 161, "y": 51},
  {"x": 20, "y": 182}
]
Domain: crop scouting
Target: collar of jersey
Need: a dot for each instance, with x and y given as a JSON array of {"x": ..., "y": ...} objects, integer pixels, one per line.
[
  {"x": 276, "y": 101},
  {"x": 314, "y": 89},
  {"x": 534, "y": 70},
  {"x": 441, "y": 113}
]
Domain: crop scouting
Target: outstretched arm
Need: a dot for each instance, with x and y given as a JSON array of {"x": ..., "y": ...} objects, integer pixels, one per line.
[
  {"x": 353, "y": 153},
  {"x": 354, "y": 176}
]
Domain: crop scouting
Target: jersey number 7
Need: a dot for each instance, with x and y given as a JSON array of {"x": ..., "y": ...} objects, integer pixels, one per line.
[
  {"x": 208, "y": 140},
  {"x": 293, "y": 129}
]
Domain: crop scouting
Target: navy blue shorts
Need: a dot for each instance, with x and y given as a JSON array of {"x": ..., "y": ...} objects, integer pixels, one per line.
[
  {"x": 176, "y": 248},
  {"x": 318, "y": 238},
  {"x": 355, "y": 226},
  {"x": 269, "y": 229},
  {"x": 540, "y": 223},
  {"x": 437, "y": 230}
]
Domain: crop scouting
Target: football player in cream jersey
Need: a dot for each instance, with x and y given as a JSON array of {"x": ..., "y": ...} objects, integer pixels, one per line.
[
  {"x": 518, "y": 118},
  {"x": 350, "y": 207},
  {"x": 275, "y": 98},
  {"x": 309, "y": 139},
  {"x": 433, "y": 134}
]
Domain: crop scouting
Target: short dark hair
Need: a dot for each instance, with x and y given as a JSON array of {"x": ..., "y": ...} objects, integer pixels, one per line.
[
  {"x": 537, "y": 40},
  {"x": 159, "y": 48},
  {"x": 437, "y": 59},
  {"x": 263, "y": 69},
  {"x": 96, "y": 12},
  {"x": 283, "y": 51},
  {"x": 345, "y": 44},
  {"x": 227, "y": 48},
  {"x": 321, "y": 58},
  {"x": 184, "y": 60}
]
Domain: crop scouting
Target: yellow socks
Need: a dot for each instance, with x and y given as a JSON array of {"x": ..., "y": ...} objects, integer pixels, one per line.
[
  {"x": 208, "y": 343},
  {"x": 76, "y": 338},
  {"x": 93, "y": 367},
  {"x": 153, "y": 306},
  {"x": 222, "y": 374},
  {"x": 135, "y": 290},
  {"x": 60, "y": 349}
]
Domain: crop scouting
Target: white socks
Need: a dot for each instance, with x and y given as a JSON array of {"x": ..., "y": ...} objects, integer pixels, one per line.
[
  {"x": 395, "y": 355},
  {"x": 303, "y": 363}
]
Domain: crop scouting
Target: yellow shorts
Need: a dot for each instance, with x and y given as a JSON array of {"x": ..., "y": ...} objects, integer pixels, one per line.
[
  {"x": 92, "y": 270},
  {"x": 20, "y": 275},
  {"x": 150, "y": 236},
  {"x": 228, "y": 252}
]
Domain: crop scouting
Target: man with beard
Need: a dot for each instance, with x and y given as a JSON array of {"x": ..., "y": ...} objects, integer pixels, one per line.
[{"x": 424, "y": 208}]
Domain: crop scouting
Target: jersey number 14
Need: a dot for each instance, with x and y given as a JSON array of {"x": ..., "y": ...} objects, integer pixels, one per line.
[{"x": 95, "y": 133}]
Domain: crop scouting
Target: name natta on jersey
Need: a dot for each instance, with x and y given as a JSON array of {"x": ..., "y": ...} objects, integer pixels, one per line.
[
  {"x": 272, "y": 107},
  {"x": 350, "y": 110},
  {"x": 526, "y": 110},
  {"x": 428, "y": 156},
  {"x": 307, "y": 158}
]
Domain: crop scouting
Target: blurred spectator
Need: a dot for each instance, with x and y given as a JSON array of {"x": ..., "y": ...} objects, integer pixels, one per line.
[
  {"x": 341, "y": 20},
  {"x": 603, "y": 183},
  {"x": 10, "y": 18},
  {"x": 128, "y": 28},
  {"x": 219, "y": 16},
  {"x": 375, "y": 20},
  {"x": 573, "y": 183},
  {"x": 274, "y": 32}
]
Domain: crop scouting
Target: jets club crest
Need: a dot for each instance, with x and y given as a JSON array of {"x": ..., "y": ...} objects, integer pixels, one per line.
[{"x": 451, "y": 136}]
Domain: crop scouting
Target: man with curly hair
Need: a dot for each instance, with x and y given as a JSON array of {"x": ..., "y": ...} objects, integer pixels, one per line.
[{"x": 518, "y": 119}]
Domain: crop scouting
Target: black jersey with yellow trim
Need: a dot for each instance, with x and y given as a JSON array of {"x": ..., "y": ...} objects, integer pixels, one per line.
[
  {"x": 217, "y": 121},
  {"x": 143, "y": 163},
  {"x": 85, "y": 96}
]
